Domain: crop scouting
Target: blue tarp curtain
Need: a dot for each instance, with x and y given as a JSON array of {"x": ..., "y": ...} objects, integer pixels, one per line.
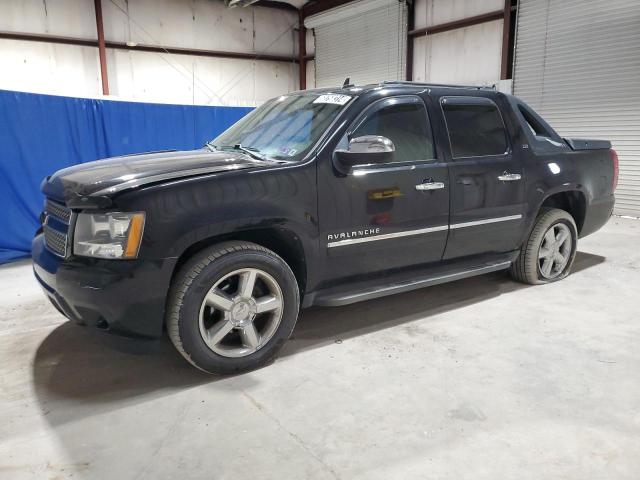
[{"x": 40, "y": 134}]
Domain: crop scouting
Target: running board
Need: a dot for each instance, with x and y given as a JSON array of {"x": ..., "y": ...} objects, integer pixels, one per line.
[{"x": 333, "y": 298}]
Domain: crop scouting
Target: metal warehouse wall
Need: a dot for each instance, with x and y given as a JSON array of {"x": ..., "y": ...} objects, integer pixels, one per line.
[
  {"x": 363, "y": 40},
  {"x": 578, "y": 63},
  {"x": 145, "y": 76},
  {"x": 469, "y": 55}
]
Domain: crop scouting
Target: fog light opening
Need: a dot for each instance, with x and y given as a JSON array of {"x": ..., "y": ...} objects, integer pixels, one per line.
[{"x": 102, "y": 324}]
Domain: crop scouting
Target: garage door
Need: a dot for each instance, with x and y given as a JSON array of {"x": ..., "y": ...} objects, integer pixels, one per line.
[
  {"x": 578, "y": 64},
  {"x": 364, "y": 40}
]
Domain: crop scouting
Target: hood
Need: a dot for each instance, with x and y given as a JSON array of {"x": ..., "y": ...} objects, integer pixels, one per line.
[{"x": 93, "y": 183}]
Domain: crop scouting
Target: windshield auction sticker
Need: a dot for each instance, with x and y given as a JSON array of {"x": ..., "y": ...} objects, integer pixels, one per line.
[{"x": 334, "y": 98}]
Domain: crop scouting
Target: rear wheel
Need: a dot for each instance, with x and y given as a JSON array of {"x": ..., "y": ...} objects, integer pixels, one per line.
[
  {"x": 550, "y": 250},
  {"x": 232, "y": 307}
]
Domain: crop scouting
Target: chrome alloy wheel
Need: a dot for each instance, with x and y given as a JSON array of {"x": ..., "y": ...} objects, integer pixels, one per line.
[
  {"x": 555, "y": 251},
  {"x": 241, "y": 312}
]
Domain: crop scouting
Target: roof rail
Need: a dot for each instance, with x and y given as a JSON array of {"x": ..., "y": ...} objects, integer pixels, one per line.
[{"x": 421, "y": 84}]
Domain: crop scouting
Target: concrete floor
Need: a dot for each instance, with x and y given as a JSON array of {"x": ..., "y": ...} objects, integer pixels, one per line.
[{"x": 479, "y": 379}]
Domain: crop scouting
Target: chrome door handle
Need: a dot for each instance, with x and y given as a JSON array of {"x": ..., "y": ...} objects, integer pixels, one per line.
[
  {"x": 429, "y": 186},
  {"x": 509, "y": 177}
]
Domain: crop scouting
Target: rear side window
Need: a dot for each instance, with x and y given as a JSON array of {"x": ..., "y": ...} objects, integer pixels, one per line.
[
  {"x": 475, "y": 128},
  {"x": 532, "y": 122}
]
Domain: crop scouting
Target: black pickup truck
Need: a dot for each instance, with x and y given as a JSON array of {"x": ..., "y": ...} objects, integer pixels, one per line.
[{"x": 321, "y": 197}]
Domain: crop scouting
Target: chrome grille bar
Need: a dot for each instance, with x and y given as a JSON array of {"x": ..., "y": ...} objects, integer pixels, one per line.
[
  {"x": 55, "y": 241},
  {"x": 58, "y": 210},
  {"x": 56, "y": 225}
]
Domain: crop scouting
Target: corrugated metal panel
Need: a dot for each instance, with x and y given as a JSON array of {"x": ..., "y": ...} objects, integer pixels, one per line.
[
  {"x": 578, "y": 64},
  {"x": 365, "y": 41}
]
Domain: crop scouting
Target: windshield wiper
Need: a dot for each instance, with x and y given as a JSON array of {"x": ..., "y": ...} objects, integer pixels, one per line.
[
  {"x": 252, "y": 152},
  {"x": 211, "y": 146}
]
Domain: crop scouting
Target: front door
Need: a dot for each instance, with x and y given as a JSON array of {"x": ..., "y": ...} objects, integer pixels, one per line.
[
  {"x": 385, "y": 216},
  {"x": 487, "y": 191}
]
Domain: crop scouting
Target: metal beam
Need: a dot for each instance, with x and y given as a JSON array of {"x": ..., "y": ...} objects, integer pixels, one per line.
[
  {"x": 464, "y": 22},
  {"x": 101, "y": 47},
  {"x": 302, "y": 52},
  {"x": 319, "y": 6},
  {"x": 35, "y": 37},
  {"x": 273, "y": 4},
  {"x": 202, "y": 53},
  {"x": 144, "y": 48},
  {"x": 506, "y": 28},
  {"x": 410, "y": 25}
]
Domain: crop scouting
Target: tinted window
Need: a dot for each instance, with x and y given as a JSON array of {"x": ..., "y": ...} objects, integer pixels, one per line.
[
  {"x": 406, "y": 125},
  {"x": 534, "y": 125},
  {"x": 475, "y": 129}
]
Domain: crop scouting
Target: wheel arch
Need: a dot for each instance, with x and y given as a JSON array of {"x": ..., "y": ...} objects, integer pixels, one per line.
[
  {"x": 573, "y": 201},
  {"x": 282, "y": 241}
]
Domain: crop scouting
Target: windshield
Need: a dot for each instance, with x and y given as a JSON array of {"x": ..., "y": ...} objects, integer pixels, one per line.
[{"x": 284, "y": 128}]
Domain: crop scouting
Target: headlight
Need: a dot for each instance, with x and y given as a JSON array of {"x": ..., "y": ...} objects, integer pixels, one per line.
[{"x": 108, "y": 235}]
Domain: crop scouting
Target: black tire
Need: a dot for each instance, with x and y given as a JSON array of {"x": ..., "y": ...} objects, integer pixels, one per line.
[
  {"x": 526, "y": 268},
  {"x": 192, "y": 283}
]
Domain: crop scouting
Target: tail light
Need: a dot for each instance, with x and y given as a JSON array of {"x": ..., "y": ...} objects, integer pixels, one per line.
[{"x": 614, "y": 159}]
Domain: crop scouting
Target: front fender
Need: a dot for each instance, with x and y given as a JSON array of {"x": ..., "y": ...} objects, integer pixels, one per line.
[{"x": 185, "y": 213}]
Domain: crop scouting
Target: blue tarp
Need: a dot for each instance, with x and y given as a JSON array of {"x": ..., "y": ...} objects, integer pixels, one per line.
[{"x": 40, "y": 134}]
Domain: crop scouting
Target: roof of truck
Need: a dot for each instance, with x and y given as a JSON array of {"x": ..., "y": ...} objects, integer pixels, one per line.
[
  {"x": 402, "y": 83},
  {"x": 398, "y": 84}
]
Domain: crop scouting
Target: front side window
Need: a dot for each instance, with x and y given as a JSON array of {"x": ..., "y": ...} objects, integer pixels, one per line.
[
  {"x": 475, "y": 129},
  {"x": 284, "y": 128},
  {"x": 406, "y": 125}
]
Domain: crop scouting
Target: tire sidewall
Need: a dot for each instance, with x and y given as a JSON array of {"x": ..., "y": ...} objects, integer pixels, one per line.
[
  {"x": 189, "y": 329},
  {"x": 564, "y": 219}
]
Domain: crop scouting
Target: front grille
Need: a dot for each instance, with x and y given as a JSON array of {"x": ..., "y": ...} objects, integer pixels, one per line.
[
  {"x": 56, "y": 227},
  {"x": 56, "y": 241},
  {"x": 58, "y": 210}
]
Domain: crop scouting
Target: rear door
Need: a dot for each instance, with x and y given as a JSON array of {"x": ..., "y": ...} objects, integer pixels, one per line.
[
  {"x": 487, "y": 181},
  {"x": 385, "y": 216}
]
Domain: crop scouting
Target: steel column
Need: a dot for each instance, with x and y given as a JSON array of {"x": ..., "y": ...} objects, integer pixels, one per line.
[
  {"x": 302, "y": 51},
  {"x": 410, "y": 25},
  {"x": 101, "y": 47},
  {"x": 506, "y": 28}
]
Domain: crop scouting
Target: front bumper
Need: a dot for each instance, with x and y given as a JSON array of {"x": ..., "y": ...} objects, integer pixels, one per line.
[{"x": 121, "y": 296}]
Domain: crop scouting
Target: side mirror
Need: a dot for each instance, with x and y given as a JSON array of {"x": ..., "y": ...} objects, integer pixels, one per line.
[{"x": 365, "y": 150}]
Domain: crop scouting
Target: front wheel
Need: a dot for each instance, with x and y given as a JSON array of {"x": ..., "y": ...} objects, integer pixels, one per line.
[
  {"x": 232, "y": 307},
  {"x": 548, "y": 254}
]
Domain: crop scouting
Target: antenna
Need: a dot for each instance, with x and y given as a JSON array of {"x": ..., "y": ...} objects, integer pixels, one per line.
[{"x": 347, "y": 83}]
